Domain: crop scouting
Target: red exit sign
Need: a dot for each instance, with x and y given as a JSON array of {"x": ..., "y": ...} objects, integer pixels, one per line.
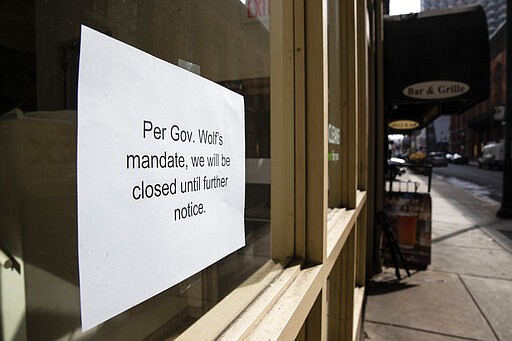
[{"x": 257, "y": 9}]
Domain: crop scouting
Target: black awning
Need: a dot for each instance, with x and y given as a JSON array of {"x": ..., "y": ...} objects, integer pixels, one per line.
[{"x": 435, "y": 63}]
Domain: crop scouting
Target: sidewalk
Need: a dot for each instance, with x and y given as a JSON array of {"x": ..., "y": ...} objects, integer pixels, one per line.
[{"x": 466, "y": 294}]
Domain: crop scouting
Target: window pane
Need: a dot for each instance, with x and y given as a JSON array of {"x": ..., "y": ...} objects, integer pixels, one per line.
[
  {"x": 226, "y": 41},
  {"x": 335, "y": 104}
]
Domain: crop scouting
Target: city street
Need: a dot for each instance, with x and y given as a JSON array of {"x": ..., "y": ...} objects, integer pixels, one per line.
[{"x": 481, "y": 182}]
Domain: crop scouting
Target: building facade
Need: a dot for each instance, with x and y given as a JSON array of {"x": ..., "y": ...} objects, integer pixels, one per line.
[{"x": 308, "y": 72}]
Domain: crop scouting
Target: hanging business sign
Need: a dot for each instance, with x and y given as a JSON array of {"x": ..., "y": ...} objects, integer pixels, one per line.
[
  {"x": 436, "y": 90},
  {"x": 161, "y": 175},
  {"x": 403, "y": 124}
]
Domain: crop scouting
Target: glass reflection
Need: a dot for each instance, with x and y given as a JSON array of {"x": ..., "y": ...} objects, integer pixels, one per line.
[{"x": 227, "y": 40}]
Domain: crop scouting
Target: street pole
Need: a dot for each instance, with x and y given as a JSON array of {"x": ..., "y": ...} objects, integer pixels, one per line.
[{"x": 505, "y": 210}]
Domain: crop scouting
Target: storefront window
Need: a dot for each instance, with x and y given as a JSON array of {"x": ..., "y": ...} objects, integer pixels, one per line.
[
  {"x": 224, "y": 41},
  {"x": 336, "y": 104}
]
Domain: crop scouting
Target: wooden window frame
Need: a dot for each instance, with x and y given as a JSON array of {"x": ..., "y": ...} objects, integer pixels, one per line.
[{"x": 313, "y": 287}]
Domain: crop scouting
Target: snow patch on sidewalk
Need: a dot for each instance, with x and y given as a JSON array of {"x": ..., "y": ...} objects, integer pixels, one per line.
[{"x": 477, "y": 190}]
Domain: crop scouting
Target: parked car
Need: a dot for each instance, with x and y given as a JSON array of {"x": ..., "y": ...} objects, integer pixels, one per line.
[
  {"x": 395, "y": 168},
  {"x": 493, "y": 156},
  {"x": 437, "y": 159},
  {"x": 459, "y": 159}
]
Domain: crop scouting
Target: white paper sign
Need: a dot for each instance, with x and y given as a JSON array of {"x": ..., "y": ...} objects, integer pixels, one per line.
[{"x": 161, "y": 171}]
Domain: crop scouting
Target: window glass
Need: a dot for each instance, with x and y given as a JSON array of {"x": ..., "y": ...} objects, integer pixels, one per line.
[
  {"x": 226, "y": 41},
  {"x": 335, "y": 105}
]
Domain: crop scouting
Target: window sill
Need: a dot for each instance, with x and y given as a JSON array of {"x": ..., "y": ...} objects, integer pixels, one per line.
[
  {"x": 340, "y": 223},
  {"x": 285, "y": 318},
  {"x": 210, "y": 325},
  {"x": 272, "y": 303}
]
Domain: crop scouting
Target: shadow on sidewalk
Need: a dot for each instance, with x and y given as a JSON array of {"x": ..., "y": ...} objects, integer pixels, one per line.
[
  {"x": 455, "y": 234},
  {"x": 386, "y": 282}
]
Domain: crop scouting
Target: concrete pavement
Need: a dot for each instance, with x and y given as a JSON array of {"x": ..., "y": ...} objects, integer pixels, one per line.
[{"x": 466, "y": 293}]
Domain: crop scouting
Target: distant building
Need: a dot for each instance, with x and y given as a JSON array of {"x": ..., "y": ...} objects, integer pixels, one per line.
[{"x": 496, "y": 10}]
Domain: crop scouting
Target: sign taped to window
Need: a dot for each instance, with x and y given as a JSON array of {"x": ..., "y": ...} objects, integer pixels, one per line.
[{"x": 160, "y": 174}]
